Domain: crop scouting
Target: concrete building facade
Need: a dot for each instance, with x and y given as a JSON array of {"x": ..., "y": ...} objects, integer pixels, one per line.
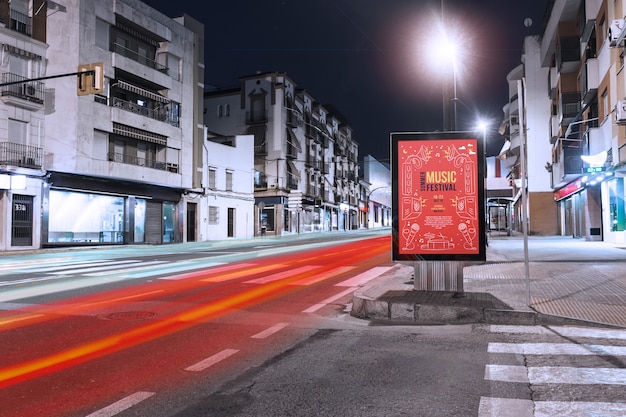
[
  {"x": 305, "y": 158},
  {"x": 226, "y": 205},
  {"x": 113, "y": 167}
]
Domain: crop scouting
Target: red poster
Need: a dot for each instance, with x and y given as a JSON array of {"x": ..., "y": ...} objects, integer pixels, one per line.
[{"x": 438, "y": 197}]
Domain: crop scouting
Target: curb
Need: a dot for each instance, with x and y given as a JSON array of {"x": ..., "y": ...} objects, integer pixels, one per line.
[
  {"x": 372, "y": 303},
  {"x": 423, "y": 314}
]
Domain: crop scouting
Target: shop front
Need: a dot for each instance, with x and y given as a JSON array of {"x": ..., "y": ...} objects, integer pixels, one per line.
[{"x": 90, "y": 211}]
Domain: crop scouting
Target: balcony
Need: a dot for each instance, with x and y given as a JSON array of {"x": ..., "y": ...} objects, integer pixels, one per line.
[
  {"x": 294, "y": 118},
  {"x": 137, "y": 57},
  {"x": 589, "y": 80},
  {"x": 142, "y": 162},
  {"x": 23, "y": 93},
  {"x": 568, "y": 167},
  {"x": 25, "y": 156},
  {"x": 569, "y": 106},
  {"x": 15, "y": 20},
  {"x": 568, "y": 54}
]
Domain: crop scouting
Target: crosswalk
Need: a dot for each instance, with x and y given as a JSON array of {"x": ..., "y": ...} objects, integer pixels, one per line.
[
  {"x": 49, "y": 277},
  {"x": 562, "y": 371}
]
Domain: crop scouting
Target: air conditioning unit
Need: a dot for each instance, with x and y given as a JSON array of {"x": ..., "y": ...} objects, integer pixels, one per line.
[
  {"x": 617, "y": 33},
  {"x": 29, "y": 90},
  {"x": 620, "y": 112}
]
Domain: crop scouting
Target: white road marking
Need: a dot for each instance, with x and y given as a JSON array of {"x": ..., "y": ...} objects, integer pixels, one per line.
[
  {"x": 212, "y": 360},
  {"x": 98, "y": 272},
  {"x": 562, "y": 331},
  {"x": 281, "y": 275},
  {"x": 236, "y": 273},
  {"x": 121, "y": 405},
  {"x": 364, "y": 277},
  {"x": 505, "y": 407},
  {"x": 268, "y": 332},
  {"x": 188, "y": 273},
  {"x": 329, "y": 300},
  {"x": 556, "y": 349},
  {"x": 510, "y": 407},
  {"x": 322, "y": 276},
  {"x": 555, "y": 375}
]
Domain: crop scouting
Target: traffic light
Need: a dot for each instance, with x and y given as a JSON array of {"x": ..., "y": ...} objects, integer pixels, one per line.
[{"x": 90, "y": 79}]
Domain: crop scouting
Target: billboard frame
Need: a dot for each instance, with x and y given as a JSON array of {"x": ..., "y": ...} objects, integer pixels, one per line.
[{"x": 429, "y": 220}]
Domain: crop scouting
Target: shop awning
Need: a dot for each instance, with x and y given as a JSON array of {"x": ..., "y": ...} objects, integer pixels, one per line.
[{"x": 142, "y": 92}]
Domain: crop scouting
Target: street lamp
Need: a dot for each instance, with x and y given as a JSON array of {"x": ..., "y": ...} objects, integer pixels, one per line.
[{"x": 444, "y": 52}]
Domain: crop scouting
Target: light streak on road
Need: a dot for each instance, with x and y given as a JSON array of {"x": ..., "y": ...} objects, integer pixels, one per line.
[{"x": 248, "y": 294}]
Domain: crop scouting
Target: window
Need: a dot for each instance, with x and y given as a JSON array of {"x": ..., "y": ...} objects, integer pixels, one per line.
[
  {"x": 212, "y": 174},
  {"x": 214, "y": 215},
  {"x": 102, "y": 34},
  {"x": 220, "y": 111},
  {"x": 18, "y": 131},
  {"x": 227, "y": 110},
  {"x": 229, "y": 180}
]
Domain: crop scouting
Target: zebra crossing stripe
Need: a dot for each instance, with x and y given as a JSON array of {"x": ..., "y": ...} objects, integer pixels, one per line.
[
  {"x": 561, "y": 331},
  {"x": 556, "y": 349},
  {"x": 555, "y": 375},
  {"x": 505, "y": 407},
  {"x": 510, "y": 407}
]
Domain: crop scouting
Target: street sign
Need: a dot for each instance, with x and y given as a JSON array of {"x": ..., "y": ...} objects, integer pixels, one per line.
[{"x": 294, "y": 201}]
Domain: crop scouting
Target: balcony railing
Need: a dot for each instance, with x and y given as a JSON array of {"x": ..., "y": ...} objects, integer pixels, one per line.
[
  {"x": 16, "y": 154},
  {"x": 160, "y": 113},
  {"x": 137, "y": 57},
  {"x": 142, "y": 162},
  {"x": 32, "y": 91}
]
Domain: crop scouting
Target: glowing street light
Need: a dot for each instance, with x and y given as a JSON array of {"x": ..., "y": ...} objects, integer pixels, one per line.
[{"x": 444, "y": 52}]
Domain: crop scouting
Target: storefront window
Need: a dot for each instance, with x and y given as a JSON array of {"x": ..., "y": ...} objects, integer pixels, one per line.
[
  {"x": 140, "y": 220},
  {"x": 83, "y": 217},
  {"x": 168, "y": 222},
  {"x": 267, "y": 219},
  {"x": 616, "y": 203}
]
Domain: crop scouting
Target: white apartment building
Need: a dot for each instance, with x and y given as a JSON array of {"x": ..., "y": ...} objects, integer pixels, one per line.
[
  {"x": 526, "y": 116},
  {"x": 582, "y": 48},
  {"x": 377, "y": 197},
  {"x": 22, "y": 124},
  {"x": 305, "y": 159},
  {"x": 227, "y": 201},
  {"x": 113, "y": 167}
]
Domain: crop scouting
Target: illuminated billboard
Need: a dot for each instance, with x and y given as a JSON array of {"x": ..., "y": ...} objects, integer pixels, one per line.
[{"x": 438, "y": 196}]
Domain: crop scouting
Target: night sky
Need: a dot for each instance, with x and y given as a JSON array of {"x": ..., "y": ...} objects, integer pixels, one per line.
[{"x": 371, "y": 59}]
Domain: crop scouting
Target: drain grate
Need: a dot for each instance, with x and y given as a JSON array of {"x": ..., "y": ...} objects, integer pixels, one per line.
[{"x": 129, "y": 315}]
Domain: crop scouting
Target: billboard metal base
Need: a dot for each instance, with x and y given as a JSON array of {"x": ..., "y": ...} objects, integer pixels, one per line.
[{"x": 438, "y": 275}]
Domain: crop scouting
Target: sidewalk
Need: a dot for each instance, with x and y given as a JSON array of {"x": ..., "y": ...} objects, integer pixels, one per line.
[{"x": 569, "y": 282}]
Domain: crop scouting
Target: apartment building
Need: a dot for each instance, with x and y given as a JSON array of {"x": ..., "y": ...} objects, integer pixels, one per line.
[
  {"x": 526, "y": 116},
  {"x": 111, "y": 167},
  {"x": 576, "y": 63},
  {"x": 377, "y": 193},
  {"x": 305, "y": 158},
  {"x": 226, "y": 204},
  {"x": 581, "y": 46},
  {"x": 22, "y": 108}
]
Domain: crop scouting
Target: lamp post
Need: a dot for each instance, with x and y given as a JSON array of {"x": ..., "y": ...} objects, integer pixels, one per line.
[{"x": 482, "y": 127}]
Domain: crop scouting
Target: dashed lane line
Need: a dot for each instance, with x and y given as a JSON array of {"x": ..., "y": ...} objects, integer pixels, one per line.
[
  {"x": 211, "y": 360},
  {"x": 268, "y": 332},
  {"x": 121, "y": 405}
]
